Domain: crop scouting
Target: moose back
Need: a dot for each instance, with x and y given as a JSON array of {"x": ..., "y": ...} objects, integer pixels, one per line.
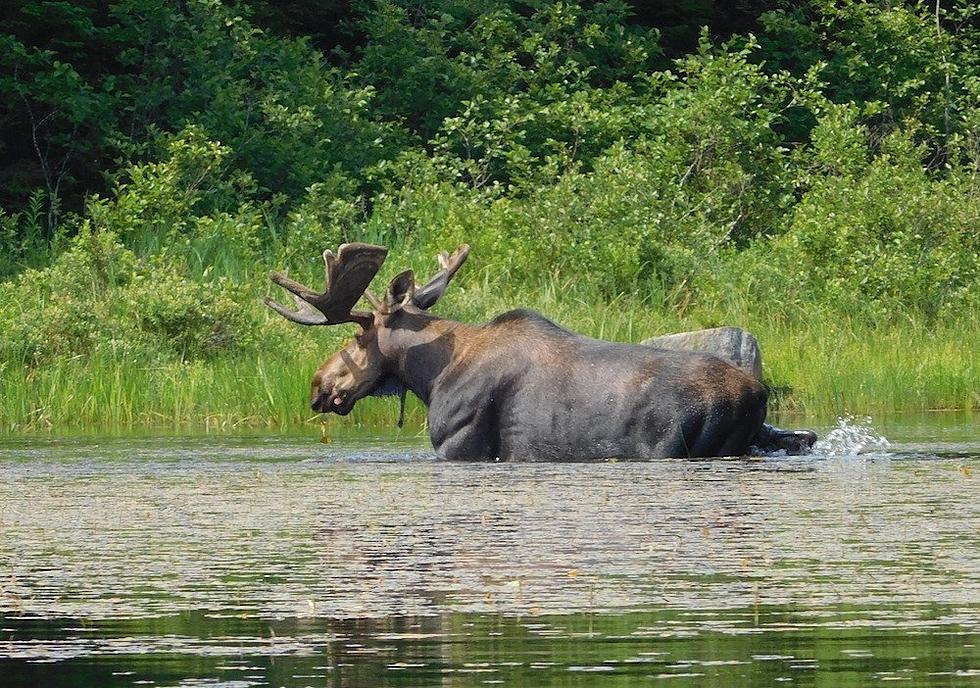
[{"x": 520, "y": 387}]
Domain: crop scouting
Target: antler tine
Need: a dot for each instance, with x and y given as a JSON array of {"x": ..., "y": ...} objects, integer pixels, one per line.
[
  {"x": 305, "y": 314},
  {"x": 346, "y": 277},
  {"x": 328, "y": 260},
  {"x": 426, "y": 296}
]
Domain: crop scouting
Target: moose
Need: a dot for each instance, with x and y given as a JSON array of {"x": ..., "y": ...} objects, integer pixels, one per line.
[{"x": 520, "y": 387}]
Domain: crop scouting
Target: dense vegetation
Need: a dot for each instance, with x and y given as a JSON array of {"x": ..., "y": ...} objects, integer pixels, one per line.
[{"x": 809, "y": 170}]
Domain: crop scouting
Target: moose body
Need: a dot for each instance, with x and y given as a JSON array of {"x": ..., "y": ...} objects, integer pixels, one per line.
[{"x": 522, "y": 388}]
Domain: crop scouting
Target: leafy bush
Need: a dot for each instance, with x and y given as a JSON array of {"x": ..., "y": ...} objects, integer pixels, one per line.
[
  {"x": 62, "y": 310},
  {"x": 878, "y": 233},
  {"x": 191, "y": 319},
  {"x": 155, "y": 202},
  {"x": 98, "y": 297},
  {"x": 660, "y": 212},
  {"x": 433, "y": 61}
]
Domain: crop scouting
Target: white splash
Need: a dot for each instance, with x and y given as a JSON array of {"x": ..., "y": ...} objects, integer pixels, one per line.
[{"x": 851, "y": 436}]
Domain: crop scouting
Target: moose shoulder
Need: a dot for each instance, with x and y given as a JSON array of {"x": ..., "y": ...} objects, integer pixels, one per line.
[{"x": 521, "y": 387}]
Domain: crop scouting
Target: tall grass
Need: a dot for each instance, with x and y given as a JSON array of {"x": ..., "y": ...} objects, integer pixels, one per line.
[
  {"x": 826, "y": 369},
  {"x": 825, "y": 366}
]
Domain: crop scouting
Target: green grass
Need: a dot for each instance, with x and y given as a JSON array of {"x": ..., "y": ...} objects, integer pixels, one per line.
[
  {"x": 822, "y": 367},
  {"x": 826, "y": 369}
]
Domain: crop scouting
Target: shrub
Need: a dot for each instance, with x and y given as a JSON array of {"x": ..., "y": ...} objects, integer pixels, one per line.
[
  {"x": 97, "y": 296},
  {"x": 879, "y": 233},
  {"x": 65, "y": 309},
  {"x": 192, "y": 319}
]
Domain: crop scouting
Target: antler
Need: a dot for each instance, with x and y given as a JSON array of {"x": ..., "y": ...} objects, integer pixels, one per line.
[
  {"x": 426, "y": 296},
  {"x": 348, "y": 275}
]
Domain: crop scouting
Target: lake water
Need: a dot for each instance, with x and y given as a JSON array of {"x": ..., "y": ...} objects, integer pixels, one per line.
[{"x": 281, "y": 561}]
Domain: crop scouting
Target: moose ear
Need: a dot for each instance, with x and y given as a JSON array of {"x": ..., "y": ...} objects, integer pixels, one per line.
[{"x": 400, "y": 291}]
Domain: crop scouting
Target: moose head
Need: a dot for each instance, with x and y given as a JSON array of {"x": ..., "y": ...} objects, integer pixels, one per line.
[{"x": 365, "y": 364}]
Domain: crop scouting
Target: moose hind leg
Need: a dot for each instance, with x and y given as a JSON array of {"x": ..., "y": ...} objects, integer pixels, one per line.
[
  {"x": 715, "y": 438},
  {"x": 794, "y": 442}
]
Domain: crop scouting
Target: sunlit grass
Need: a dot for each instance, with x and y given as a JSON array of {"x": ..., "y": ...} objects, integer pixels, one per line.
[
  {"x": 827, "y": 369},
  {"x": 825, "y": 366}
]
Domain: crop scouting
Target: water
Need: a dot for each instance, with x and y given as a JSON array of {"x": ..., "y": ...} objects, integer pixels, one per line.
[{"x": 271, "y": 561}]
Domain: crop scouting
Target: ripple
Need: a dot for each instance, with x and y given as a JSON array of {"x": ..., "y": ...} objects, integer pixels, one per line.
[{"x": 286, "y": 548}]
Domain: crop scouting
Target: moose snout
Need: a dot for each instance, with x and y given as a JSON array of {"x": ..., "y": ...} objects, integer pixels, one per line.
[
  {"x": 321, "y": 400},
  {"x": 325, "y": 401}
]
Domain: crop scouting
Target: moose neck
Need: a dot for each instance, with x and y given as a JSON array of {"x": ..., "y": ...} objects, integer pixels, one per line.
[{"x": 420, "y": 347}]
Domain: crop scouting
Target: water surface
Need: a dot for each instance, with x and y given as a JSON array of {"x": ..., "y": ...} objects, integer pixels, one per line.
[{"x": 280, "y": 561}]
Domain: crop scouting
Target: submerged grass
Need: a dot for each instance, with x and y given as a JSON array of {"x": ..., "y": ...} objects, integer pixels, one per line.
[{"x": 825, "y": 366}]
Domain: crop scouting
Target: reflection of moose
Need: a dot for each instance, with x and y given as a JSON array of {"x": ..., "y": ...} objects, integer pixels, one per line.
[{"x": 520, "y": 387}]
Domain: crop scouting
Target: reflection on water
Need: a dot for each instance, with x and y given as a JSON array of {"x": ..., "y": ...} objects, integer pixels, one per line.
[
  {"x": 720, "y": 648},
  {"x": 284, "y": 562}
]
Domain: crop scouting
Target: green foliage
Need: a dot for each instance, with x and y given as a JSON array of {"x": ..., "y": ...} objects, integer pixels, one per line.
[
  {"x": 429, "y": 61},
  {"x": 122, "y": 76},
  {"x": 884, "y": 235},
  {"x": 705, "y": 176},
  {"x": 291, "y": 119},
  {"x": 189, "y": 205},
  {"x": 819, "y": 172},
  {"x": 716, "y": 135},
  {"x": 25, "y": 237},
  {"x": 894, "y": 61},
  {"x": 160, "y": 199},
  {"x": 98, "y": 297},
  {"x": 196, "y": 320},
  {"x": 62, "y": 310}
]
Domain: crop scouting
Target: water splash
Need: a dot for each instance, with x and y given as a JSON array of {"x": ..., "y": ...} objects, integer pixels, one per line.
[{"x": 851, "y": 436}]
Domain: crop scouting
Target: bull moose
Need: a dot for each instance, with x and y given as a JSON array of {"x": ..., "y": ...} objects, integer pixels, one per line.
[{"x": 520, "y": 387}]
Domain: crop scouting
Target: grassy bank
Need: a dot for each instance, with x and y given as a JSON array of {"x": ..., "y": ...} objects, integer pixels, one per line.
[
  {"x": 825, "y": 198},
  {"x": 827, "y": 366}
]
